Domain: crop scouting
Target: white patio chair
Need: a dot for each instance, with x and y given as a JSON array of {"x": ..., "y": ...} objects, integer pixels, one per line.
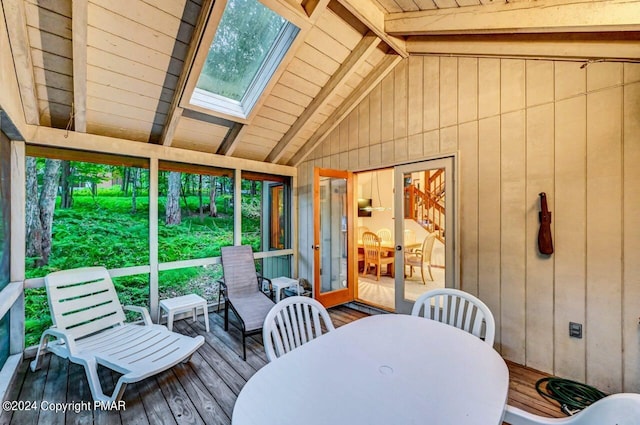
[
  {"x": 89, "y": 329},
  {"x": 291, "y": 323},
  {"x": 457, "y": 308},
  {"x": 618, "y": 409}
]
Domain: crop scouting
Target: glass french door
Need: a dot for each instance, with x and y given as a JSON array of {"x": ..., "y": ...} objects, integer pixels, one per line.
[
  {"x": 333, "y": 243},
  {"x": 425, "y": 229}
]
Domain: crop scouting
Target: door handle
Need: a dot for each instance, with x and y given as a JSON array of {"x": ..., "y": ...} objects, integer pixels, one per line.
[
  {"x": 398, "y": 247},
  {"x": 316, "y": 247}
]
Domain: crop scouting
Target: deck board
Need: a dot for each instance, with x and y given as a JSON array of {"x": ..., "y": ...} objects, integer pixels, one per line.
[{"x": 202, "y": 391}]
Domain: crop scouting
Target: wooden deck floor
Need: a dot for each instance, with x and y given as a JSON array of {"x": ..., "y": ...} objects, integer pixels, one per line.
[{"x": 202, "y": 391}]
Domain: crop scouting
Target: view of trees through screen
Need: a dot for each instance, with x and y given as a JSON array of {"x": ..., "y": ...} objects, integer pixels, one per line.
[{"x": 88, "y": 214}]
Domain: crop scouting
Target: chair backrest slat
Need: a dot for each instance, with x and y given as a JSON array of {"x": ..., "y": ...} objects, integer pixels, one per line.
[
  {"x": 83, "y": 301},
  {"x": 459, "y": 309}
]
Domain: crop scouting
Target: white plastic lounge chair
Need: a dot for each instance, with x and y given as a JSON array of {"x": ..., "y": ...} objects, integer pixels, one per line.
[
  {"x": 241, "y": 289},
  {"x": 619, "y": 409},
  {"x": 457, "y": 308},
  {"x": 89, "y": 329},
  {"x": 292, "y": 322}
]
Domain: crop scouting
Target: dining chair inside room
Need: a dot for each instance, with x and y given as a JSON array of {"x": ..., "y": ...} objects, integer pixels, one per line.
[
  {"x": 421, "y": 258},
  {"x": 293, "y": 322},
  {"x": 373, "y": 255},
  {"x": 457, "y": 308},
  {"x": 385, "y": 235}
]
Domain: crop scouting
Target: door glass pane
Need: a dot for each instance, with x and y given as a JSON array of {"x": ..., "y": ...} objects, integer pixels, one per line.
[
  {"x": 376, "y": 284},
  {"x": 424, "y": 231},
  {"x": 333, "y": 234}
]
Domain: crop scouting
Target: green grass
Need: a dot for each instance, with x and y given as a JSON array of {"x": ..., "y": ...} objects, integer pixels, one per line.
[{"x": 103, "y": 231}]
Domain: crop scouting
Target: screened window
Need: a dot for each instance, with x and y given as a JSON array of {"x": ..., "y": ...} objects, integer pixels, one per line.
[
  {"x": 5, "y": 239},
  {"x": 249, "y": 44}
]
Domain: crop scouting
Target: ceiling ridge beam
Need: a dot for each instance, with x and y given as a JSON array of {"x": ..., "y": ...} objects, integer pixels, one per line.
[
  {"x": 16, "y": 23},
  {"x": 541, "y": 16},
  {"x": 175, "y": 111},
  {"x": 526, "y": 47},
  {"x": 364, "y": 88},
  {"x": 370, "y": 15},
  {"x": 79, "y": 26},
  {"x": 357, "y": 56}
]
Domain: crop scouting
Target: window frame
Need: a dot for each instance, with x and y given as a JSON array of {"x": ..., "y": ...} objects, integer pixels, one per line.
[
  {"x": 266, "y": 71},
  {"x": 296, "y": 17}
]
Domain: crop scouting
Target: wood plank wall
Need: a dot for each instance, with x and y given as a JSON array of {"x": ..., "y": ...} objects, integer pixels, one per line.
[{"x": 518, "y": 128}]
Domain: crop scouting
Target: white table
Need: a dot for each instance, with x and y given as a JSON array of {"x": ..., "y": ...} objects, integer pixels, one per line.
[
  {"x": 181, "y": 304},
  {"x": 384, "y": 369},
  {"x": 280, "y": 283}
]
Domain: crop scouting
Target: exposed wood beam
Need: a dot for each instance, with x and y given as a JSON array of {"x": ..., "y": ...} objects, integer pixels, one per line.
[
  {"x": 364, "y": 88},
  {"x": 314, "y": 8},
  {"x": 568, "y": 46},
  {"x": 61, "y": 138},
  {"x": 79, "y": 16},
  {"x": 175, "y": 111},
  {"x": 15, "y": 20},
  {"x": 542, "y": 16},
  {"x": 357, "y": 56},
  {"x": 374, "y": 18},
  {"x": 230, "y": 142}
]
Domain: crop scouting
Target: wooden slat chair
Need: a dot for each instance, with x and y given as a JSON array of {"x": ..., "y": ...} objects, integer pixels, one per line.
[
  {"x": 89, "y": 329},
  {"x": 457, "y": 308},
  {"x": 373, "y": 254},
  {"x": 241, "y": 289},
  {"x": 293, "y": 322}
]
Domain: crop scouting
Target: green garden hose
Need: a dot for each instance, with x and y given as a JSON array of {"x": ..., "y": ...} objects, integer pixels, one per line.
[{"x": 571, "y": 395}]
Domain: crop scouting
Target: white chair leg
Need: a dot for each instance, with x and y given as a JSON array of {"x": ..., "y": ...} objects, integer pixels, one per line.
[
  {"x": 91, "y": 371},
  {"x": 35, "y": 363}
]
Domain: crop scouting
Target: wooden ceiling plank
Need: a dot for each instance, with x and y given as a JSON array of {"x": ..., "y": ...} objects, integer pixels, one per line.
[
  {"x": 386, "y": 65},
  {"x": 374, "y": 18},
  {"x": 170, "y": 124},
  {"x": 542, "y": 16},
  {"x": 359, "y": 54},
  {"x": 79, "y": 16},
  {"x": 15, "y": 19}
]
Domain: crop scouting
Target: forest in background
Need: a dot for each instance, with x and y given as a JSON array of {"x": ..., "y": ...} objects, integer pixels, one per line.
[{"x": 84, "y": 214}]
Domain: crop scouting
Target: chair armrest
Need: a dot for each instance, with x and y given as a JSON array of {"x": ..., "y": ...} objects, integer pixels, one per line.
[
  {"x": 146, "y": 318},
  {"x": 69, "y": 341},
  {"x": 261, "y": 282},
  {"x": 222, "y": 288}
]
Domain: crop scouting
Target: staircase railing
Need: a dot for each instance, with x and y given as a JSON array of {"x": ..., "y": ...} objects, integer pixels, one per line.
[{"x": 426, "y": 208}]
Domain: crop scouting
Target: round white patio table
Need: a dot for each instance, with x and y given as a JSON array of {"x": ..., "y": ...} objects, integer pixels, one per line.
[{"x": 385, "y": 369}]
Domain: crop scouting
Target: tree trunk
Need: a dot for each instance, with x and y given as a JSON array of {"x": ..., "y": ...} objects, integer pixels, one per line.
[
  {"x": 172, "y": 206},
  {"x": 213, "y": 209},
  {"x": 134, "y": 183},
  {"x": 34, "y": 226},
  {"x": 200, "y": 213},
  {"x": 66, "y": 185},
  {"x": 47, "y": 204}
]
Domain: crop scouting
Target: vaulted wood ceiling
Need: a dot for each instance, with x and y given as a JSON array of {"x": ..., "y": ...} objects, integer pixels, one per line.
[{"x": 121, "y": 68}]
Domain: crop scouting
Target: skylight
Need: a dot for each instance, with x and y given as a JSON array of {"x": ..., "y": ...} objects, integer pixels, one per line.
[{"x": 249, "y": 44}]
